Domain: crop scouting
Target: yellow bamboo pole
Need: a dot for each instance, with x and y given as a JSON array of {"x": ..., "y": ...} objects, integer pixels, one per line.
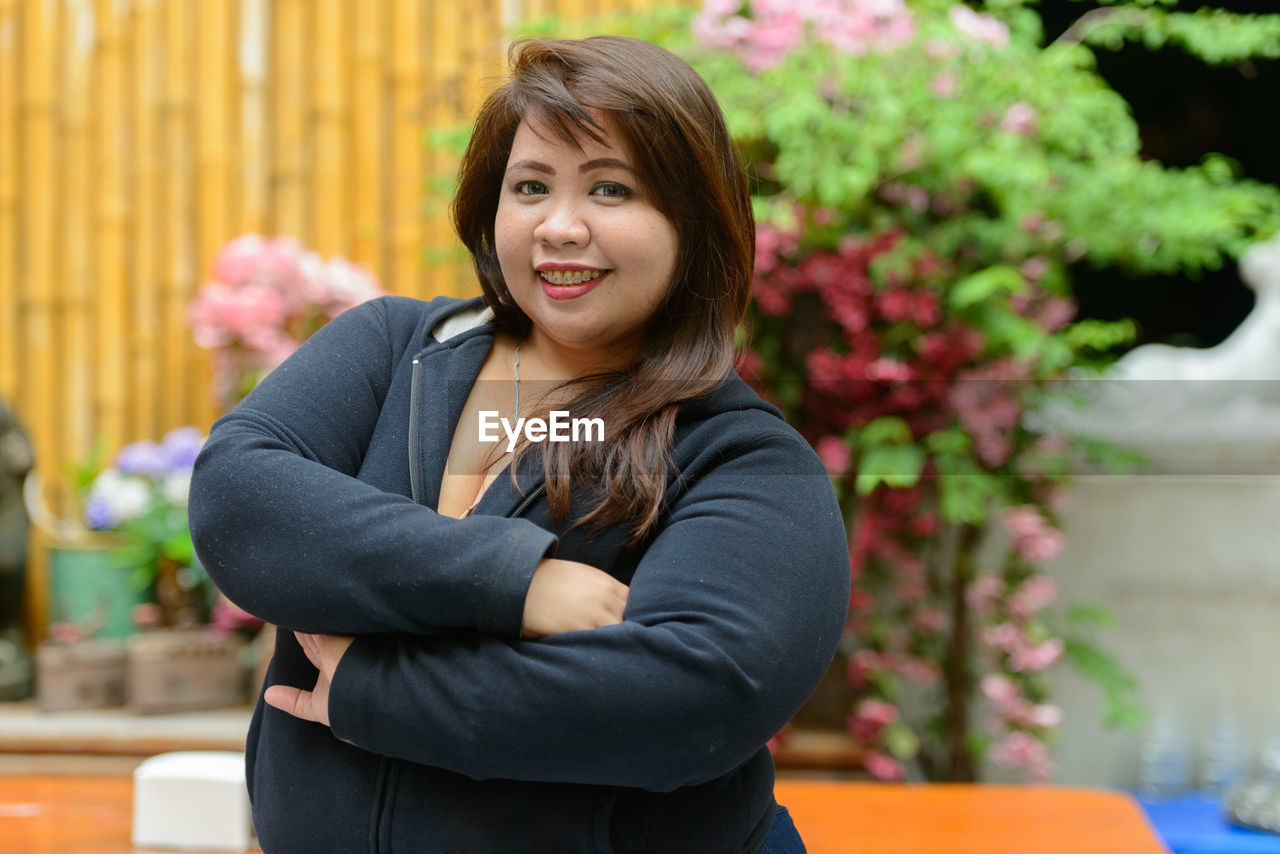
[
  {"x": 111, "y": 226},
  {"x": 38, "y": 37},
  {"x": 444, "y": 73},
  {"x": 254, "y": 149},
  {"x": 330, "y": 190},
  {"x": 10, "y": 331},
  {"x": 367, "y": 102},
  {"x": 178, "y": 250},
  {"x": 150, "y": 339},
  {"x": 405, "y": 272},
  {"x": 75, "y": 281},
  {"x": 290, "y": 157},
  {"x": 215, "y": 130},
  {"x": 571, "y": 10}
]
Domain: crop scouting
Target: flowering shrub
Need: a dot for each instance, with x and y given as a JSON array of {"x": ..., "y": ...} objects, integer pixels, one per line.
[
  {"x": 142, "y": 497},
  {"x": 927, "y": 176},
  {"x": 266, "y": 296}
]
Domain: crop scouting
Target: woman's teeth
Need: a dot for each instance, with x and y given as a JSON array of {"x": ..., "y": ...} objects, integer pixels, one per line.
[{"x": 570, "y": 277}]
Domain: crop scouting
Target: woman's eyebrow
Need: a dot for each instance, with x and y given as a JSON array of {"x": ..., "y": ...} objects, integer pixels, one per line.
[
  {"x": 532, "y": 164},
  {"x": 604, "y": 163},
  {"x": 589, "y": 166}
]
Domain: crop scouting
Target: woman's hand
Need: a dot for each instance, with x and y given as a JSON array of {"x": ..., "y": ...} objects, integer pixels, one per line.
[
  {"x": 566, "y": 596},
  {"x": 323, "y": 651}
]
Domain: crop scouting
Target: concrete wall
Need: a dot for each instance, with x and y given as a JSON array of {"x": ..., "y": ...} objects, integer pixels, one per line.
[{"x": 1190, "y": 567}]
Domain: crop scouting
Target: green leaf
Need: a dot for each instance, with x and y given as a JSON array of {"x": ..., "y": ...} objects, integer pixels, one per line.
[
  {"x": 892, "y": 465},
  {"x": 900, "y": 740},
  {"x": 985, "y": 284},
  {"x": 884, "y": 431},
  {"x": 1119, "y": 686}
]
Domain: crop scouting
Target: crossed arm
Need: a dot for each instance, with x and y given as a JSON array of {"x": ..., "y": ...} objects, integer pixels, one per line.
[
  {"x": 462, "y": 644},
  {"x": 564, "y": 596}
]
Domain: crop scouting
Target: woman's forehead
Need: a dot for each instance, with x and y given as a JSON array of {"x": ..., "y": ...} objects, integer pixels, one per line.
[{"x": 535, "y": 135}]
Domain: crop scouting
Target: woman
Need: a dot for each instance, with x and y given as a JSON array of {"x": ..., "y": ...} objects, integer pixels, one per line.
[{"x": 579, "y": 645}]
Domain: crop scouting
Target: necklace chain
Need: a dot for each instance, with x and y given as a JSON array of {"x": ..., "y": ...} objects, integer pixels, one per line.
[
  {"x": 515, "y": 383},
  {"x": 515, "y": 380}
]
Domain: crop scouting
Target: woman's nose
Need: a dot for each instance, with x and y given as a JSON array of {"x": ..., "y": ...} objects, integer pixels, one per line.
[{"x": 563, "y": 225}]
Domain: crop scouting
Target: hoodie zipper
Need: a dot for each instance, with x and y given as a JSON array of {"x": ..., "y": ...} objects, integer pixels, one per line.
[{"x": 415, "y": 466}]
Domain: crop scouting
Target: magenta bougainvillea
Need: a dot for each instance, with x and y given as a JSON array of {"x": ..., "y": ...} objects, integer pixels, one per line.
[
  {"x": 893, "y": 379},
  {"x": 927, "y": 177}
]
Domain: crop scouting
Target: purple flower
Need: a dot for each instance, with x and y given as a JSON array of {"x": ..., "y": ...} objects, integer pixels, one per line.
[
  {"x": 97, "y": 514},
  {"x": 144, "y": 458},
  {"x": 181, "y": 446}
]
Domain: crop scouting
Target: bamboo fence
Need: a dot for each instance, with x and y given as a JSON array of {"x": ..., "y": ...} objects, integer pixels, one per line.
[{"x": 139, "y": 136}]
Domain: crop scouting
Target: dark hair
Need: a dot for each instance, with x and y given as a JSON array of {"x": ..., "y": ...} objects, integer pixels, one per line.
[{"x": 690, "y": 171}]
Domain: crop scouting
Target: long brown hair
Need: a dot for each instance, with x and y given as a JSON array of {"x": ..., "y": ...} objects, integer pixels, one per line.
[{"x": 690, "y": 171}]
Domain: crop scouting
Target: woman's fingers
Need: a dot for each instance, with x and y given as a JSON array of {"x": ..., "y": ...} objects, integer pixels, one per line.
[
  {"x": 295, "y": 701},
  {"x": 567, "y": 596},
  {"x": 310, "y": 647}
]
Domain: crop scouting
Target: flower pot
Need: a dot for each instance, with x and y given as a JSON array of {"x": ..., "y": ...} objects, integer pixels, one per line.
[{"x": 91, "y": 587}]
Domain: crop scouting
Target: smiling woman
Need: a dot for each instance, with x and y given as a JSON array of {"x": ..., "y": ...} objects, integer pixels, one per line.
[
  {"x": 591, "y": 652},
  {"x": 584, "y": 254}
]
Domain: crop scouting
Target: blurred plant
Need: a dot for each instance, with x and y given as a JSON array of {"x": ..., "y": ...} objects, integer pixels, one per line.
[
  {"x": 142, "y": 498},
  {"x": 925, "y": 175},
  {"x": 267, "y": 295}
]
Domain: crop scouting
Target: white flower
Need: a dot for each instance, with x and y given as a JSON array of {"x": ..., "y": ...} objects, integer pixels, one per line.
[
  {"x": 175, "y": 488},
  {"x": 122, "y": 497}
]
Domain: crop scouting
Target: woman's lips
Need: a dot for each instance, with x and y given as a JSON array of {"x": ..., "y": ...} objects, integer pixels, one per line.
[{"x": 571, "y": 291}]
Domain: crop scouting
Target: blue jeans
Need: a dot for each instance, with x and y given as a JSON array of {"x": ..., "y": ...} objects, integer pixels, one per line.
[{"x": 783, "y": 838}]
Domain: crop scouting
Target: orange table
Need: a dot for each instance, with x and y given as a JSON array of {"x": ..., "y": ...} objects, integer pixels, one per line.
[
  {"x": 866, "y": 818},
  {"x": 49, "y": 814},
  {"x": 90, "y": 815}
]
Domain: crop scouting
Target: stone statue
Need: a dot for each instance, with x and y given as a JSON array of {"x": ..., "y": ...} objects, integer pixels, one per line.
[
  {"x": 16, "y": 460},
  {"x": 1251, "y": 352},
  {"x": 1189, "y": 409}
]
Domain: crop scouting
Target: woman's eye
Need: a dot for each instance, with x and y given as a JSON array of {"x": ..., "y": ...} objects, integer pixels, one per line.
[
  {"x": 530, "y": 188},
  {"x": 611, "y": 190}
]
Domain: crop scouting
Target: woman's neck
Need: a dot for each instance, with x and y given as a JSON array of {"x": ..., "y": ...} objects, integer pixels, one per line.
[{"x": 542, "y": 359}]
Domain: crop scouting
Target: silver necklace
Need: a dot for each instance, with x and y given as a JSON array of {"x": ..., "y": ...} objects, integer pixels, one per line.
[
  {"x": 515, "y": 384},
  {"x": 515, "y": 379}
]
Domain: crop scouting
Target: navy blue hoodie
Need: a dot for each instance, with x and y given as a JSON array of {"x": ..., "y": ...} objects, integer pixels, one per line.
[{"x": 312, "y": 507}]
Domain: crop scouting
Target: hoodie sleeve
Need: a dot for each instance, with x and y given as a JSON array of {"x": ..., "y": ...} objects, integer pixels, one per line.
[
  {"x": 286, "y": 529},
  {"x": 734, "y": 614}
]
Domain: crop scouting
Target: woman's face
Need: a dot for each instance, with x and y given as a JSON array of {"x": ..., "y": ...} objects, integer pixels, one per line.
[{"x": 584, "y": 254}]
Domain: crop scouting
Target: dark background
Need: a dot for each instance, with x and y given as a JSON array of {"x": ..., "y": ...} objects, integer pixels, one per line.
[{"x": 1185, "y": 109}]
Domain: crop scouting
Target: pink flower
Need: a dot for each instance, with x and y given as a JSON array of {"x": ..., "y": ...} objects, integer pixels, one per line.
[
  {"x": 979, "y": 27},
  {"x": 834, "y": 453},
  {"x": 1000, "y": 690},
  {"x": 882, "y": 766},
  {"x": 775, "y": 26},
  {"x": 1032, "y": 596},
  {"x": 1004, "y": 637},
  {"x": 944, "y": 84},
  {"x": 1019, "y": 750},
  {"x": 1021, "y": 118},
  {"x": 1033, "y": 537},
  {"x": 869, "y": 718},
  {"x": 888, "y": 370},
  {"x": 1045, "y": 716},
  {"x": 919, "y": 671},
  {"x": 929, "y": 619},
  {"x": 941, "y": 49},
  {"x": 1032, "y": 659},
  {"x": 1055, "y": 313},
  {"x": 983, "y": 593}
]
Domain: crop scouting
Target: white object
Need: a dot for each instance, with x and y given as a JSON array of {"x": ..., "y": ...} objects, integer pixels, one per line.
[
  {"x": 1165, "y": 757},
  {"x": 192, "y": 801},
  {"x": 1225, "y": 758}
]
